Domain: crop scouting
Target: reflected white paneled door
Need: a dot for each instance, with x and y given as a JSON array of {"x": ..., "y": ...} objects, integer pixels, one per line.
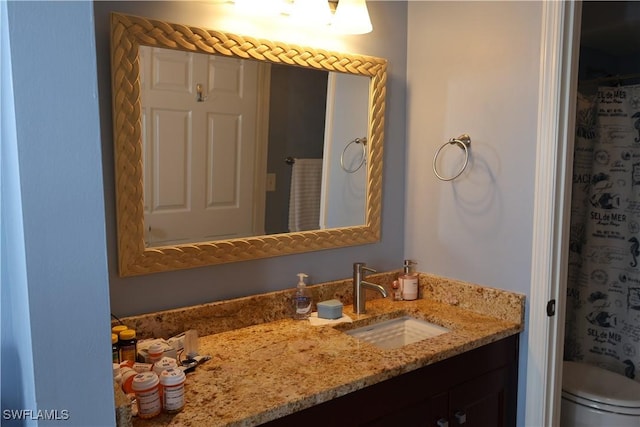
[{"x": 200, "y": 142}]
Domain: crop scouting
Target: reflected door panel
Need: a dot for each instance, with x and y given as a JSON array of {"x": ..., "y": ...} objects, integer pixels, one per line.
[{"x": 199, "y": 117}]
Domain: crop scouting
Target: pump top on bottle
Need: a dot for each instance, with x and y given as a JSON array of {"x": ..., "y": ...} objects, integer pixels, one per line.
[
  {"x": 302, "y": 299},
  {"x": 409, "y": 266}
]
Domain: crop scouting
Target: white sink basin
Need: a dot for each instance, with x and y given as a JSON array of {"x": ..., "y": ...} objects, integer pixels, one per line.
[{"x": 396, "y": 333}]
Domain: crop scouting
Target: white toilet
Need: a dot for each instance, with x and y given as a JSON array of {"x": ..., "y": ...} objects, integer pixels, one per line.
[{"x": 593, "y": 396}]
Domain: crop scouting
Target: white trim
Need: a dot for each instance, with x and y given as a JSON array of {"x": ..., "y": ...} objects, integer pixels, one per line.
[
  {"x": 262, "y": 144},
  {"x": 328, "y": 147},
  {"x": 551, "y": 211}
]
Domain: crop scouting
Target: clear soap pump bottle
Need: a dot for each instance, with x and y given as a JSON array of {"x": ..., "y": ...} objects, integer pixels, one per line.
[{"x": 302, "y": 299}]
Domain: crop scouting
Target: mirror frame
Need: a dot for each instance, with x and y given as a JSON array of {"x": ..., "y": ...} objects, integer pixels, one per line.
[{"x": 127, "y": 34}]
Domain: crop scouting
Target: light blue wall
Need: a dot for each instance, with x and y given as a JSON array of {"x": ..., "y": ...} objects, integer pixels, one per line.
[
  {"x": 16, "y": 353},
  {"x": 159, "y": 291},
  {"x": 58, "y": 279},
  {"x": 59, "y": 283}
]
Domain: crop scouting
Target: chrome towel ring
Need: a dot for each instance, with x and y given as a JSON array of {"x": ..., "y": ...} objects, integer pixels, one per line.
[
  {"x": 362, "y": 141},
  {"x": 464, "y": 141}
]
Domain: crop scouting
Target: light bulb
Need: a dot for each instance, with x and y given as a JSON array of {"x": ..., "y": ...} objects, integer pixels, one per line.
[{"x": 352, "y": 17}]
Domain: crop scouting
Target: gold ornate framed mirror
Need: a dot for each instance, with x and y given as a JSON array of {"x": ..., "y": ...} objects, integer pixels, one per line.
[{"x": 135, "y": 255}]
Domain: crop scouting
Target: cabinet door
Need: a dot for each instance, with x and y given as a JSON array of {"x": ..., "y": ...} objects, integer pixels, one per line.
[
  {"x": 484, "y": 401},
  {"x": 477, "y": 388},
  {"x": 424, "y": 413}
]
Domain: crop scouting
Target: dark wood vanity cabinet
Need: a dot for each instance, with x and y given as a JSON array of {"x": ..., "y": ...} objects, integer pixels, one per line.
[{"x": 474, "y": 389}]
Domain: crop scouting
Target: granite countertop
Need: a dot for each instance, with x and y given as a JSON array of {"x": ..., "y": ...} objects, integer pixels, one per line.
[{"x": 265, "y": 371}]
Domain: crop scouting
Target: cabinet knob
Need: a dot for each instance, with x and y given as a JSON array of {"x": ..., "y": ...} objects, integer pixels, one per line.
[
  {"x": 442, "y": 422},
  {"x": 461, "y": 417}
]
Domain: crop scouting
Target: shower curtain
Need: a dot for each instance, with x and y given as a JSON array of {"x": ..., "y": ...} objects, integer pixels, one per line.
[{"x": 603, "y": 288}]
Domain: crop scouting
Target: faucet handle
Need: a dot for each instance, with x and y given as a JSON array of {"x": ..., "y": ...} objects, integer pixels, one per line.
[{"x": 361, "y": 267}]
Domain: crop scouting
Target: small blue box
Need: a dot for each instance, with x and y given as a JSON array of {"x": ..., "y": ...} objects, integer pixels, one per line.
[{"x": 330, "y": 309}]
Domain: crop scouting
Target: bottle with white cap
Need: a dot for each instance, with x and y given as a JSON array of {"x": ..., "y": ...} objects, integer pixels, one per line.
[
  {"x": 302, "y": 299},
  {"x": 155, "y": 352},
  {"x": 146, "y": 387},
  {"x": 172, "y": 381}
]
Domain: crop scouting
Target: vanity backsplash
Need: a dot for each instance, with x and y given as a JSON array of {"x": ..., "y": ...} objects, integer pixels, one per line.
[{"x": 221, "y": 316}]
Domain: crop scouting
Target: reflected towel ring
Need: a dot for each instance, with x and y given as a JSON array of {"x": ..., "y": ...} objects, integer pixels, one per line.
[
  {"x": 464, "y": 141},
  {"x": 362, "y": 141}
]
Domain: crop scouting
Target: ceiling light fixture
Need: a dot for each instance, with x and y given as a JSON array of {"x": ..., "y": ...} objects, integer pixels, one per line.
[{"x": 351, "y": 17}]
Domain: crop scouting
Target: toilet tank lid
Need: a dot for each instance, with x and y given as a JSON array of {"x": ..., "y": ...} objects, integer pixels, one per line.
[{"x": 594, "y": 383}]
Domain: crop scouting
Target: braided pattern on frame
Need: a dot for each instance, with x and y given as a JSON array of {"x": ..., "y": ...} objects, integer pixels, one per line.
[
  {"x": 175, "y": 36},
  {"x": 128, "y": 32}
]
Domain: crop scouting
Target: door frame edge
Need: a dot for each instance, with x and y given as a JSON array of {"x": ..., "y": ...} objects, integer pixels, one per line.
[{"x": 552, "y": 206}]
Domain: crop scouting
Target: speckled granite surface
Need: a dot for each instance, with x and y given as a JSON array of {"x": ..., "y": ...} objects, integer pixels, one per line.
[
  {"x": 268, "y": 365},
  {"x": 221, "y": 316}
]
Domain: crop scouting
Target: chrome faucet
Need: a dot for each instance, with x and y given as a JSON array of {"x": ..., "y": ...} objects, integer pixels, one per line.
[{"x": 360, "y": 285}]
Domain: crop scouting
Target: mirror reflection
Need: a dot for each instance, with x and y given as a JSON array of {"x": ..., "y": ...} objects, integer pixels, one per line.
[
  {"x": 157, "y": 154},
  {"x": 236, "y": 148}
]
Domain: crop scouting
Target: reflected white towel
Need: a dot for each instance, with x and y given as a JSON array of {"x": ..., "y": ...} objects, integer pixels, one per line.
[{"x": 304, "y": 197}]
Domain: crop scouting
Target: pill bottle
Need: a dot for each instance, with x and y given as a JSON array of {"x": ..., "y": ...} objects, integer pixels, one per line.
[
  {"x": 146, "y": 387},
  {"x": 119, "y": 328},
  {"x": 128, "y": 344},
  {"x": 172, "y": 381},
  {"x": 155, "y": 352},
  {"x": 126, "y": 375},
  {"x": 137, "y": 366},
  {"x": 115, "y": 349},
  {"x": 163, "y": 364}
]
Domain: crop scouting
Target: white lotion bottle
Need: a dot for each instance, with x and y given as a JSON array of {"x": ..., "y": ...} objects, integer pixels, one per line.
[
  {"x": 409, "y": 281},
  {"x": 302, "y": 299}
]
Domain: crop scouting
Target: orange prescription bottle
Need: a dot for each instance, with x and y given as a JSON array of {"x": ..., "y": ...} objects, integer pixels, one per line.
[
  {"x": 155, "y": 351},
  {"x": 146, "y": 387},
  {"x": 163, "y": 364},
  {"x": 172, "y": 381},
  {"x": 137, "y": 366},
  {"x": 127, "y": 375}
]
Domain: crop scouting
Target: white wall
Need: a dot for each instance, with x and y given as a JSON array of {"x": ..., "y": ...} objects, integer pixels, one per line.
[
  {"x": 344, "y": 199},
  {"x": 473, "y": 68}
]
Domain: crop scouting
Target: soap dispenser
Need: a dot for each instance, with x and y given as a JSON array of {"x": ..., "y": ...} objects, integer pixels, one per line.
[
  {"x": 409, "y": 281},
  {"x": 302, "y": 299}
]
